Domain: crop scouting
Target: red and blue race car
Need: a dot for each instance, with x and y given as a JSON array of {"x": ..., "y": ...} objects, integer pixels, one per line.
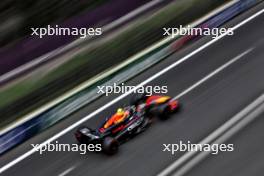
[{"x": 128, "y": 121}]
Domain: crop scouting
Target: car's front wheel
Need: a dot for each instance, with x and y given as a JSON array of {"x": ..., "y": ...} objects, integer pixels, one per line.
[{"x": 162, "y": 111}]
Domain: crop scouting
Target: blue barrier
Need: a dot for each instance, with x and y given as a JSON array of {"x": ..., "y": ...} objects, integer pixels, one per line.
[{"x": 30, "y": 128}]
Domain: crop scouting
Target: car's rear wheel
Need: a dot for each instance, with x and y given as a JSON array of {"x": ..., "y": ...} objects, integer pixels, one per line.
[{"x": 110, "y": 145}]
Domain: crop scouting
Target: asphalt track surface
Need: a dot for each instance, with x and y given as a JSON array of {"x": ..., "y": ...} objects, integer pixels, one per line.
[
  {"x": 247, "y": 158},
  {"x": 204, "y": 109}
]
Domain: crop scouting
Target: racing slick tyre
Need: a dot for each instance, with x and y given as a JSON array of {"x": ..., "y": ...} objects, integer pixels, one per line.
[
  {"x": 162, "y": 112},
  {"x": 137, "y": 98},
  {"x": 110, "y": 145}
]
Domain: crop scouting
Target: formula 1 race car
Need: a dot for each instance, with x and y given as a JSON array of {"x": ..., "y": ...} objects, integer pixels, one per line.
[{"x": 127, "y": 122}]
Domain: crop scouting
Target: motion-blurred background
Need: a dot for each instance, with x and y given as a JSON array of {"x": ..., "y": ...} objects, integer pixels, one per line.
[{"x": 34, "y": 71}]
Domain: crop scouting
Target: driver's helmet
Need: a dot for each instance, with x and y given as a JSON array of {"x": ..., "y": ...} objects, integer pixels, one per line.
[{"x": 120, "y": 111}]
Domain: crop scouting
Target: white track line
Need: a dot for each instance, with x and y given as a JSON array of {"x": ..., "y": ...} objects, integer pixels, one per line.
[
  {"x": 220, "y": 135},
  {"x": 30, "y": 152},
  {"x": 213, "y": 73},
  {"x": 67, "y": 171}
]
